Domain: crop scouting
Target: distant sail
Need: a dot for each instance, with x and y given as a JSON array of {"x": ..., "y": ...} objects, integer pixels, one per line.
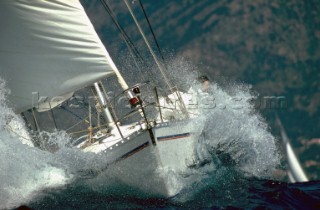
[
  {"x": 48, "y": 49},
  {"x": 295, "y": 171}
]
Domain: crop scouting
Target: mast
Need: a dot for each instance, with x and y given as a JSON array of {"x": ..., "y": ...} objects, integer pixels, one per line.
[
  {"x": 148, "y": 45},
  {"x": 104, "y": 104}
]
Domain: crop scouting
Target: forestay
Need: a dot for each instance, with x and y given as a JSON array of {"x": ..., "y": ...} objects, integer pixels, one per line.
[{"x": 48, "y": 49}]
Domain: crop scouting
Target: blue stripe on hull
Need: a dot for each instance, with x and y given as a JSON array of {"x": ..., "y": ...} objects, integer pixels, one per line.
[
  {"x": 132, "y": 152},
  {"x": 172, "y": 137}
]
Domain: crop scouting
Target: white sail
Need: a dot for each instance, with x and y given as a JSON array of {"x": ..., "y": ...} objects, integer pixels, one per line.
[
  {"x": 48, "y": 49},
  {"x": 295, "y": 170}
]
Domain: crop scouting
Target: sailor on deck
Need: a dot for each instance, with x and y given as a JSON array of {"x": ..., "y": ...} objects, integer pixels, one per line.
[
  {"x": 199, "y": 97},
  {"x": 200, "y": 86}
]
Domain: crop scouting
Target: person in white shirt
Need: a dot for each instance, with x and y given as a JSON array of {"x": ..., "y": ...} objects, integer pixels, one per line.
[
  {"x": 201, "y": 85},
  {"x": 199, "y": 95}
]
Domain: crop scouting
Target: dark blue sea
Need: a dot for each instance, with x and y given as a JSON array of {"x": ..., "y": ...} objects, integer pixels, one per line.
[{"x": 238, "y": 193}]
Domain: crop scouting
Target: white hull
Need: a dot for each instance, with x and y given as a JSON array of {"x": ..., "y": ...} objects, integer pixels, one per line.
[{"x": 138, "y": 163}]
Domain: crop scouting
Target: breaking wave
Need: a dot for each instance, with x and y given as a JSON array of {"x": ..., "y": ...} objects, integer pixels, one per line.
[
  {"x": 24, "y": 170},
  {"x": 235, "y": 134}
]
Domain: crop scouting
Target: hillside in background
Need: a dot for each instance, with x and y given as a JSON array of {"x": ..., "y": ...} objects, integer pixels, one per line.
[{"x": 272, "y": 45}]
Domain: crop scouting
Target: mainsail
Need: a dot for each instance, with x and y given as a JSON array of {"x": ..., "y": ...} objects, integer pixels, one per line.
[{"x": 48, "y": 49}]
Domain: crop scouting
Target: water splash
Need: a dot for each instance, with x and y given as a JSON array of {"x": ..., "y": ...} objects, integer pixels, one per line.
[
  {"x": 23, "y": 169},
  {"x": 237, "y": 135},
  {"x": 235, "y": 140},
  {"x": 234, "y": 134}
]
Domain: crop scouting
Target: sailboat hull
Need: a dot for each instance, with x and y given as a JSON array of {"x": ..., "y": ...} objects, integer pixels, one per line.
[{"x": 153, "y": 167}]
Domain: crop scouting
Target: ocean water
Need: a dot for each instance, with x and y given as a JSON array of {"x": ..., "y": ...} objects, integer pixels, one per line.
[
  {"x": 236, "y": 165},
  {"x": 239, "y": 193}
]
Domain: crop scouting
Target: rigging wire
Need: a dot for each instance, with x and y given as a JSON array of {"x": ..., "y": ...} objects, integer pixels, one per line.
[
  {"x": 123, "y": 33},
  {"x": 132, "y": 48},
  {"x": 160, "y": 66},
  {"x": 173, "y": 89},
  {"x": 35, "y": 120},
  {"x": 73, "y": 113},
  {"x": 153, "y": 34},
  {"x": 53, "y": 118}
]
